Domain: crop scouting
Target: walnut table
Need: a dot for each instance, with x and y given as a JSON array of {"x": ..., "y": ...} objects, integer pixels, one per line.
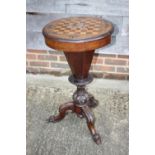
[{"x": 78, "y": 37}]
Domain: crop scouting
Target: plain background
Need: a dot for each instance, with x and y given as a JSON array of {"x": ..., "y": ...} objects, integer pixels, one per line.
[{"x": 13, "y": 77}]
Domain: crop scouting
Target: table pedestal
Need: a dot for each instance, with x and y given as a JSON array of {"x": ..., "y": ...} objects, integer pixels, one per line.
[
  {"x": 82, "y": 100},
  {"x": 79, "y": 37}
]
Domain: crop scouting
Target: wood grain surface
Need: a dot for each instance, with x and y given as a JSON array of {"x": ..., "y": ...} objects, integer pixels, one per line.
[{"x": 78, "y": 28}]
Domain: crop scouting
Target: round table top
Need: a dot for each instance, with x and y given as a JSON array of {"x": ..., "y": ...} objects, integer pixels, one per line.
[{"x": 78, "y": 29}]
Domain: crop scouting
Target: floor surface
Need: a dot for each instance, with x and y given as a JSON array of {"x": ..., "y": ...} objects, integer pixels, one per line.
[{"x": 71, "y": 136}]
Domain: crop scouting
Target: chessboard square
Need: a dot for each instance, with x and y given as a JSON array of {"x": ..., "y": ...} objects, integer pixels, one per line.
[
  {"x": 71, "y": 32},
  {"x": 55, "y": 30},
  {"x": 96, "y": 29},
  {"x": 91, "y": 26},
  {"x": 60, "y": 24},
  {"x": 67, "y": 31},
  {"x": 78, "y": 30},
  {"x": 90, "y": 30},
  {"x": 97, "y": 26},
  {"x": 62, "y": 29},
  {"x": 60, "y": 32},
  {"x": 95, "y": 32},
  {"x": 82, "y": 33}
]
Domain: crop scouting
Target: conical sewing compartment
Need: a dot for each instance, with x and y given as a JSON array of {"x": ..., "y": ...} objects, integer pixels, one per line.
[{"x": 79, "y": 63}]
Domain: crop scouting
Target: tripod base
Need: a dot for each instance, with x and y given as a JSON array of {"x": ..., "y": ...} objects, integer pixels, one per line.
[
  {"x": 82, "y": 112},
  {"x": 81, "y": 105}
]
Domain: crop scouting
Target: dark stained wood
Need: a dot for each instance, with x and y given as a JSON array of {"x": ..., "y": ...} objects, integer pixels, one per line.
[
  {"x": 79, "y": 63},
  {"x": 78, "y": 38},
  {"x": 78, "y": 47},
  {"x": 82, "y": 112},
  {"x": 62, "y": 112}
]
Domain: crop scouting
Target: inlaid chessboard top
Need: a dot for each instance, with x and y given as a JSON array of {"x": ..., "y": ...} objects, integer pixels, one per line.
[{"x": 78, "y": 29}]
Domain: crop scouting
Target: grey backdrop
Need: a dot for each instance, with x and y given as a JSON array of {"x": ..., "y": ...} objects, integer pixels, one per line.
[{"x": 40, "y": 12}]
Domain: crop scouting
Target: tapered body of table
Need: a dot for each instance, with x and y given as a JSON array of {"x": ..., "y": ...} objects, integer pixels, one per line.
[{"x": 78, "y": 37}]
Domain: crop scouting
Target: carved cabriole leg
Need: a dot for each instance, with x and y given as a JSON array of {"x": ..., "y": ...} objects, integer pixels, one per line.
[
  {"x": 62, "y": 112},
  {"x": 90, "y": 123}
]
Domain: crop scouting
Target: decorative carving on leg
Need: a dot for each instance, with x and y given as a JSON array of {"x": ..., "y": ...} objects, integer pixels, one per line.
[
  {"x": 78, "y": 111},
  {"x": 62, "y": 112},
  {"x": 90, "y": 123},
  {"x": 92, "y": 101},
  {"x": 80, "y": 96}
]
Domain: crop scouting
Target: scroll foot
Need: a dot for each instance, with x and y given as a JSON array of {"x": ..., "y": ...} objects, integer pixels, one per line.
[{"x": 63, "y": 109}]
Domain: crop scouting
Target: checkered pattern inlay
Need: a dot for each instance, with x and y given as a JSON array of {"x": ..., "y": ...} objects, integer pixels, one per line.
[{"x": 76, "y": 28}]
